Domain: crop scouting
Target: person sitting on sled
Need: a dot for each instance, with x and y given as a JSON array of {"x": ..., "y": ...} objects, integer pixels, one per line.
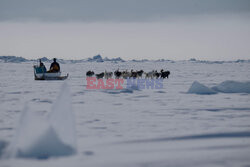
[
  {"x": 42, "y": 67},
  {"x": 54, "y": 67}
]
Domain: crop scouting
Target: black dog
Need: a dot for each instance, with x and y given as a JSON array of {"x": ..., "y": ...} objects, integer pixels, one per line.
[
  {"x": 90, "y": 73},
  {"x": 164, "y": 74},
  {"x": 118, "y": 74},
  {"x": 139, "y": 73},
  {"x": 101, "y": 75},
  {"x": 133, "y": 74},
  {"x": 157, "y": 74}
]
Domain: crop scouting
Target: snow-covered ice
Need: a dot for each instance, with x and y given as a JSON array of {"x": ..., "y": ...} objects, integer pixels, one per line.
[
  {"x": 198, "y": 88},
  {"x": 233, "y": 87},
  {"x": 129, "y": 127},
  {"x": 224, "y": 87}
]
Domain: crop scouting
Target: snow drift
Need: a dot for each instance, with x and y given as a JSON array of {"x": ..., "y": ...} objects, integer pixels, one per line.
[
  {"x": 224, "y": 87},
  {"x": 199, "y": 88},
  {"x": 44, "y": 137}
]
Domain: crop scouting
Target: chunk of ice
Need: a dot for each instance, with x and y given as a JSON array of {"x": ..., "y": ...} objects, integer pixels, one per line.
[
  {"x": 42, "y": 137},
  {"x": 233, "y": 87},
  {"x": 198, "y": 88}
]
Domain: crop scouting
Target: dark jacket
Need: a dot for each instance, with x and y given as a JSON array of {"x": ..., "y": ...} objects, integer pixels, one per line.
[{"x": 54, "y": 67}]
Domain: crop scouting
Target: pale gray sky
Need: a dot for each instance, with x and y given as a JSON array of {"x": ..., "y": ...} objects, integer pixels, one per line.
[{"x": 131, "y": 29}]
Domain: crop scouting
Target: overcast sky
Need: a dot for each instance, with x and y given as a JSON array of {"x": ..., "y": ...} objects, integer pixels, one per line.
[{"x": 131, "y": 29}]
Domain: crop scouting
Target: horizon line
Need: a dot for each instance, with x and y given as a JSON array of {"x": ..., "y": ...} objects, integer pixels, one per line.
[{"x": 121, "y": 59}]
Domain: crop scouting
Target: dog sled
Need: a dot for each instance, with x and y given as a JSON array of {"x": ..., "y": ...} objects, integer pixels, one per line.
[{"x": 40, "y": 74}]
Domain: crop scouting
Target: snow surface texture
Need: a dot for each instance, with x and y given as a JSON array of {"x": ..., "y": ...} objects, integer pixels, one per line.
[
  {"x": 39, "y": 137},
  {"x": 225, "y": 87},
  {"x": 131, "y": 127}
]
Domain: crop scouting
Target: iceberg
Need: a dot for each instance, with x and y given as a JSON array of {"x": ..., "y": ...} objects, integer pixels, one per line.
[
  {"x": 12, "y": 59},
  {"x": 118, "y": 59},
  {"x": 97, "y": 58}
]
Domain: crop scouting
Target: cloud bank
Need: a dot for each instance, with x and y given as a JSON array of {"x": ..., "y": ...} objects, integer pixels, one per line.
[{"x": 115, "y": 10}]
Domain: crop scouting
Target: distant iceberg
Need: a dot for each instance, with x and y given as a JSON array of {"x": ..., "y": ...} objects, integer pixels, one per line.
[
  {"x": 45, "y": 59},
  {"x": 198, "y": 88},
  {"x": 118, "y": 59},
  {"x": 141, "y": 61},
  {"x": 164, "y": 60},
  {"x": 43, "y": 137},
  {"x": 98, "y": 58},
  {"x": 206, "y": 61},
  {"x": 12, "y": 59},
  {"x": 217, "y": 62}
]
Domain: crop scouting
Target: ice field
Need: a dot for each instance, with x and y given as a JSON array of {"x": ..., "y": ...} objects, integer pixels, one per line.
[{"x": 201, "y": 117}]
